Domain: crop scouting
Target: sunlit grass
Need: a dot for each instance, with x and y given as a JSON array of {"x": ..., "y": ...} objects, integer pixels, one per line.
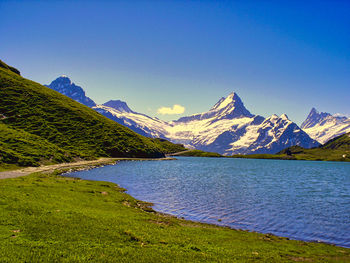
[{"x": 47, "y": 218}]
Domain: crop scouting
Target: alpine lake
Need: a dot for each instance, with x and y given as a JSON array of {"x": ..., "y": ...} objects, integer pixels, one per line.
[{"x": 303, "y": 200}]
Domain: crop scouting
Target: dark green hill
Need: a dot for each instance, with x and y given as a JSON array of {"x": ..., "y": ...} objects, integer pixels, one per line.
[
  {"x": 76, "y": 130},
  {"x": 168, "y": 147},
  {"x": 198, "y": 153},
  {"x": 340, "y": 143},
  {"x": 5, "y": 66}
]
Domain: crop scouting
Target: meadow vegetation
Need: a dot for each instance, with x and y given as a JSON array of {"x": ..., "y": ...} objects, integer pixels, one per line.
[
  {"x": 50, "y": 218},
  {"x": 199, "y": 153}
]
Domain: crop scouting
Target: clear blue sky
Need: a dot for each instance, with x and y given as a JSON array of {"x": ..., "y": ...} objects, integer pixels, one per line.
[{"x": 279, "y": 57}]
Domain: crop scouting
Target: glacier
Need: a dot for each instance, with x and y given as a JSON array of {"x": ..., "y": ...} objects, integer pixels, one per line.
[{"x": 323, "y": 126}]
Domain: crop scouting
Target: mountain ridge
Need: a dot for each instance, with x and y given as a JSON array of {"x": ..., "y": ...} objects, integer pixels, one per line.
[
  {"x": 43, "y": 126},
  {"x": 323, "y": 126},
  {"x": 227, "y": 128},
  {"x": 65, "y": 86}
]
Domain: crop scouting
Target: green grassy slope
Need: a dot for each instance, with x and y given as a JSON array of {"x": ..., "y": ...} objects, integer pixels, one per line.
[
  {"x": 25, "y": 149},
  {"x": 339, "y": 143},
  {"x": 46, "y": 218},
  {"x": 76, "y": 129},
  {"x": 168, "y": 147},
  {"x": 199, "y": 153},
  {"x": 5, "y": 66}
]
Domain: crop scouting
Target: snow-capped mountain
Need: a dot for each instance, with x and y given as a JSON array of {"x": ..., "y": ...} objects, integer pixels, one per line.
[
  {"x": 226, "y": 108},
  {"x": 120, "y": 112},
  {"x": 322, "y": 126},
  {"x": 227, "y": 128},
  {"x": 65, "y": 86}
]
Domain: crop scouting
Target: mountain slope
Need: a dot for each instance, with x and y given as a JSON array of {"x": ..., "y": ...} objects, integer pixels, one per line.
[
  {"x": 230, "y": 107},
  {"x": 227, "y": 128},
  {"x": 271, "y": 136},
  {"x": 25, "y": 149},
  {"x": 138, "y": 122},
  {"x": 341, "y": 142},
  {"x": 66, "y": 87},
  {"x": 337, "y": 149},
  {"x": 322, "y": 126},
  {"x": 71, "y": 126}
]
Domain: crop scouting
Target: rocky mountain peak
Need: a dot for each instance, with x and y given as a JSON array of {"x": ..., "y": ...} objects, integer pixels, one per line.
[
  {"x": 313, "y": 118},
  {"x": 284, "y": 117},
  {"x": 62, "y": 80},
  {"x": 231, "y": 107},
  {"x": 232, "y": 100},
  {"x": 65, "y": 86},
  {"x": 118, "y": 105}
]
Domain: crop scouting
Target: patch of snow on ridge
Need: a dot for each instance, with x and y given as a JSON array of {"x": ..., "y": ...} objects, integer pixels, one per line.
[
  {"x": 225, "y": 102},
  {"x": 153, "y": 127},
  {"x": 247, "y": 139}
]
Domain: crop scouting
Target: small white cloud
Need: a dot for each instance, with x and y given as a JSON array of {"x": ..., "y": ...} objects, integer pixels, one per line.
[{"x": 176, "y": 109}]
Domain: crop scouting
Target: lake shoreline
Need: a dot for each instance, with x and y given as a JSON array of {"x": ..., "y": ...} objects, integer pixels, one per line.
[
  {"x": 152, "y": 234},
  {"x": 280, "y": 157},
  {"x": 73, "y": 166},
  {"x": 199, "y": 221}
]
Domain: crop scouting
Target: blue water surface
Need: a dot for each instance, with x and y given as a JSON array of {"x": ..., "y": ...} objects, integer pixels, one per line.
[{"x": 303, "y": 200}]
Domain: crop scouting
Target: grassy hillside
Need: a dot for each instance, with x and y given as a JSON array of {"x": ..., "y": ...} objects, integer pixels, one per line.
[
  {"x": 337, "y": 149},
  {"x": 168, "y": 147},
  {"x": 25, "y": 149},
  {"x": 46, "y": 218},
  {"x": 61, "y": 122},
  {"x": 5, "y": 66},
  {"x": 339, "y": 143},
  {"x": 199, "y": 153},
  {"x": 264, "y": 156}
]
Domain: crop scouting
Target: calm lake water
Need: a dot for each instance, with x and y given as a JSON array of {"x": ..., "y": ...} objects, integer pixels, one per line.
[{"x": 297, "y": 199}]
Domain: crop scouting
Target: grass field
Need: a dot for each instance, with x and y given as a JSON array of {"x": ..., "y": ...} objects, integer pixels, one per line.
[{"x": 50, "y": 218}]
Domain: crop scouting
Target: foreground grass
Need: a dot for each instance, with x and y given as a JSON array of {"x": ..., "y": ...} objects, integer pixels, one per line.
[{"x": 48, "y": 218}]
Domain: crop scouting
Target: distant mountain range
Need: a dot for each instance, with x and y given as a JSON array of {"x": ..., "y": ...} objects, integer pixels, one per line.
[
  {"x": 323, "y": 126},
  {"x": 227, "y": 128}
]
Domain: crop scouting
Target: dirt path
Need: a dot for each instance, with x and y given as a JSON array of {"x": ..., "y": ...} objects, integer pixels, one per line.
[{"x": 80, "y": 164}]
